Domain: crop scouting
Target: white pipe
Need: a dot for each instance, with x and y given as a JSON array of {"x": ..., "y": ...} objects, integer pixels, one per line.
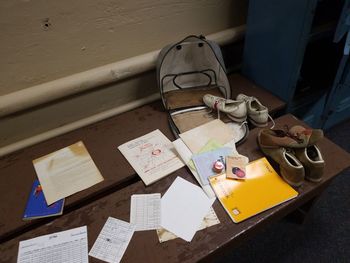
[
  {"x": 49, "y": 91},
  {"x": 77, "y": 124}
]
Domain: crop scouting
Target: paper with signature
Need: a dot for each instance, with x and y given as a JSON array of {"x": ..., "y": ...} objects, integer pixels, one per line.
[{"x": 112, "y": 241}]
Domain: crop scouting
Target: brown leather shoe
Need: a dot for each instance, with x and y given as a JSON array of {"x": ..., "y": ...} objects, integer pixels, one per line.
[
  {"x": 312, "y": 160},
  {"x": 296, "y": 137},
  {"x": 291, "y": 169},
  {"x": 311, "y": 136}
]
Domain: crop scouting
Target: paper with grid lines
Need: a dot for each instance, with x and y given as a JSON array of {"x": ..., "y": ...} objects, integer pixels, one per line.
[
  {"x": 145, "y": 211},
  {"x": 113, "y": 240},
  {"x": 70, "y": 246}
]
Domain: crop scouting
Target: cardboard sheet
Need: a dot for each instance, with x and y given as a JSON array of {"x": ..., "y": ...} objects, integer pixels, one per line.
[{"x": 198, "y": 137}]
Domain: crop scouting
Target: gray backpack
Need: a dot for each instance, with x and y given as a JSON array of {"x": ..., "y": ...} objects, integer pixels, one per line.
[{"x": 186, "y": 71}]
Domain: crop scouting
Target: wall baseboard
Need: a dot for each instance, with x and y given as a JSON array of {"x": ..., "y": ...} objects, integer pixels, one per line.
[
  {"x": 39, "y": 115},
  {"x": 90, "y": 79},
  {"x": 77, "y": 124}
]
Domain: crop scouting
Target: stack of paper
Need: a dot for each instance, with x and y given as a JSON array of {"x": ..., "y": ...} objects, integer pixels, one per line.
[{"x": 198, "y": 137}]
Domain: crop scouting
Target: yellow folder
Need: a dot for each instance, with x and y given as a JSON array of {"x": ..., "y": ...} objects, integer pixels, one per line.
[{"x": 261, "y": 190}]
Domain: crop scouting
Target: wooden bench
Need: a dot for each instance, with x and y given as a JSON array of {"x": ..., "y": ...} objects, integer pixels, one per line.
[{"x": 112, "y": 197}]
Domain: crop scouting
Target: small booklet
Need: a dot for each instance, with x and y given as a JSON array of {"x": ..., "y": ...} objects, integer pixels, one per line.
[
  {"x": 37, "y": 206},
  {"x": 236, "y": 166}
]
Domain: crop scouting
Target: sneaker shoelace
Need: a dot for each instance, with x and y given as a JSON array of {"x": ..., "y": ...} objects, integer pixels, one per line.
[
  {"x": 272, "y": 120},
  {"x": 216, "y": 104},
  {"x": 285, "y": 132}
]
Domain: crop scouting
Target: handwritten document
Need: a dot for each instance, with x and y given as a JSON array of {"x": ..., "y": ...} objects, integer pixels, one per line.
[
  {"x": 113, "y": 240},
  {"x": 145, "y": 211},
  {"x": 152, "y": 156},
  {"x": 70, "y": 246}
]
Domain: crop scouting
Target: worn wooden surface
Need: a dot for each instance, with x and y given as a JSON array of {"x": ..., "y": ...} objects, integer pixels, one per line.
[
  {"x": 208, "y": 243},
  {"x": 101, "y": 139}
]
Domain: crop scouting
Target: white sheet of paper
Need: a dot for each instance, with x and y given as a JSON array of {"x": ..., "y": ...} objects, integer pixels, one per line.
[
  {"x": 145, "y": 211},
  {"x": 112, "y": 241},
  {"x": 66, "y": 171},
  {"x": 152, "y": 156},
  {"x": 70, "y": 246},
  {"x": 183, "y": 207},
  {"x": 186, "y": 156},
  {"x": 197, "y": 138},
  {"x": 210, "y": 219}
]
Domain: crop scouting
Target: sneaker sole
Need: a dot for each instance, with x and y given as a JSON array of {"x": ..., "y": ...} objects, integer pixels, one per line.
[
  {"x": 313, "y": 180},
  {"x": 291, "y": 183},
  {"x": 257, "y": 124},
  {"x": 236, "y": 119}
]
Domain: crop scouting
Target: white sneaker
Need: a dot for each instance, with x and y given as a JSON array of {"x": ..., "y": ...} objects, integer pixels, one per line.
[
  {"x": 235, "y": 110},
  {"x": 258, "y": 114}
]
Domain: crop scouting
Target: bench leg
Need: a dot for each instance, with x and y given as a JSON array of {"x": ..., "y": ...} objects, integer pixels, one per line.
[{"x": 300, "y": 214}]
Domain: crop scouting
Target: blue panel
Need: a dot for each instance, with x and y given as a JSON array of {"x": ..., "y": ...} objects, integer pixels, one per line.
[
  {"x": 310, "y": 113},
  {"x": 343, "y": 24},
  {"x": 277, "y": 32},
  {"x": 338, "y": 104}
]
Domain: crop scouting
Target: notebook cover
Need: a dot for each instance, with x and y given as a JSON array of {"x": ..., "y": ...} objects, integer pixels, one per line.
[
  {"x": 262, "y": 189},
  {"x": 37, "y": 206}
]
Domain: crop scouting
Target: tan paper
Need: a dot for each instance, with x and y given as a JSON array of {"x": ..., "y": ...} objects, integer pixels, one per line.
[
  {"x": 210, "y": 219},
  {"x": 198, "y": 137},
  {"x": 66, "y": 171}
]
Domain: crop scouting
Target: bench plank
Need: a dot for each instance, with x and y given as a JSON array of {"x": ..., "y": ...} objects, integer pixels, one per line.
[
  {"x": 101, "y": 139},
  {"x": 208, "y": 243}
]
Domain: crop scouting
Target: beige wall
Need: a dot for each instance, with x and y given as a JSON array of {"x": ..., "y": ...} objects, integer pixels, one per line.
[{"x": 43, "y": 40}]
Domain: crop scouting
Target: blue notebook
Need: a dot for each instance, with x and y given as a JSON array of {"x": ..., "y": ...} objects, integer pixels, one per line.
[
  {"x": 204, "y": 162},
  {"x": 37, "y": 207}
]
